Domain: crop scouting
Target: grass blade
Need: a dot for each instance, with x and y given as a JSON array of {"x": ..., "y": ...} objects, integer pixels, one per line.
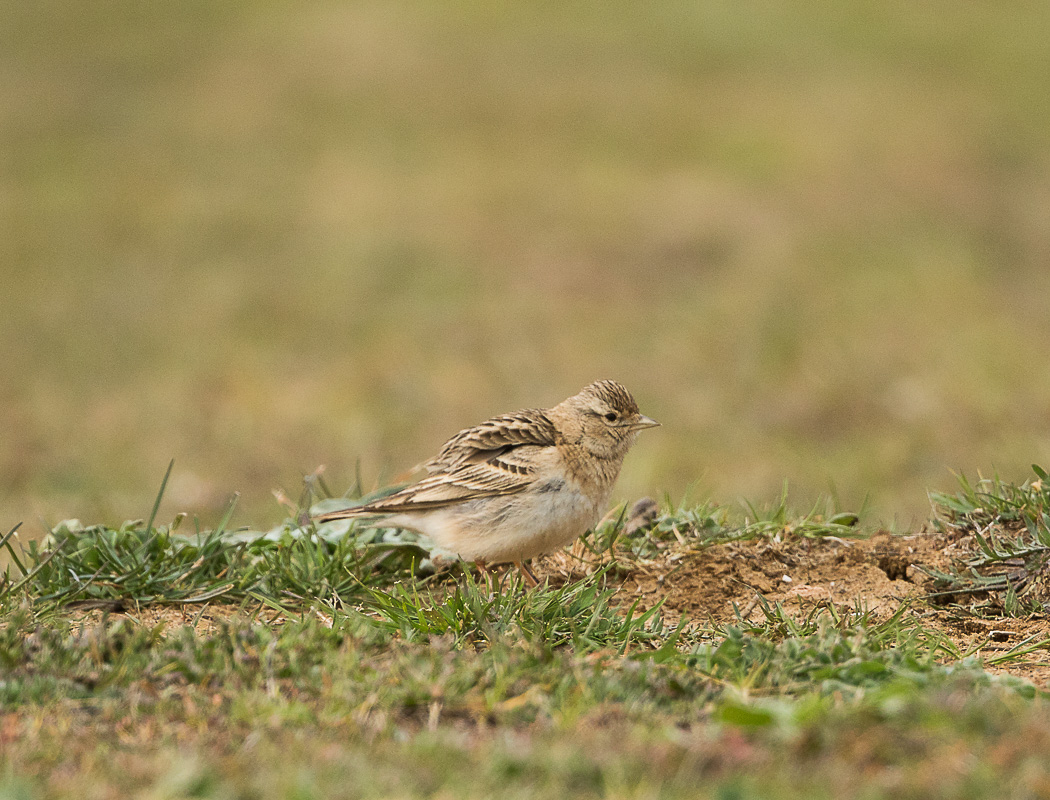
[{"x": 160, "y": 496}]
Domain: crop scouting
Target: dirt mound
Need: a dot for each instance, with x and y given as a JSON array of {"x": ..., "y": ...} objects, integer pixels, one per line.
[{"x": 876, "y": 574}]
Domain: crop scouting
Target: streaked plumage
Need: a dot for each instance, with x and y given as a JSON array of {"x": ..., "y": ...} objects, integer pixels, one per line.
[{"x": 520, "y": 484}]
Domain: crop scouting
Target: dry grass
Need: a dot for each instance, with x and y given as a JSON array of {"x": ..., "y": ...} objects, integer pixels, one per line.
[{"x": 257, "y": 238}]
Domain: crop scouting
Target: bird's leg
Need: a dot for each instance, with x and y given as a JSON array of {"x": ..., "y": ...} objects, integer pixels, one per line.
[{"x": 527, "y": 574}]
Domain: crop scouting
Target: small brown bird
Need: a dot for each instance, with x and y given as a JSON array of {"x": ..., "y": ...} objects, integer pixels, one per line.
[{"x": 521, "y": 484}]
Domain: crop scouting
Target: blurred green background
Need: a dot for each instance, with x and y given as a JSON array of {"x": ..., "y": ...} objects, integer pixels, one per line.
[{"x": 257, "y": 237}]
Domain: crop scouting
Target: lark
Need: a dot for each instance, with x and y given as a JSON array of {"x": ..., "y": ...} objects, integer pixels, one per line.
[{"x": 519, "y": 485}]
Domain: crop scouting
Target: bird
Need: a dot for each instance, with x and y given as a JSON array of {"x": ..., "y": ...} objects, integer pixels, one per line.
[{"x": 518, "y": 485}]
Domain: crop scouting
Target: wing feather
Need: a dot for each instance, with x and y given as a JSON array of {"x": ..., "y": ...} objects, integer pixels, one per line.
[
  {"x": 484, "y": 461},
  {"x": 494, "y": 438},
  {"x": 459, "y": 485}
]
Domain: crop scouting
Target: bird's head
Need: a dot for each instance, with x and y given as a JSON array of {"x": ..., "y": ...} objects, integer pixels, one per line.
[{"x": 603, "y": 418}]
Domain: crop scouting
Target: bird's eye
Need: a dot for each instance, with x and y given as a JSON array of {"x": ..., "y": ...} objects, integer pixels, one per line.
[{"x": 611, "y": 416}]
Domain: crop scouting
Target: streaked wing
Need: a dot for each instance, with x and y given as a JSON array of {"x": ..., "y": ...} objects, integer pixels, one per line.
[
  {"x": 469, "y": 482},
  {"x": 492, "y": 439}
]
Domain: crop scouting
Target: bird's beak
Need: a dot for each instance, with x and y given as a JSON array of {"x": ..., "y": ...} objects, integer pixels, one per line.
[{"x": 644, "y": 422}]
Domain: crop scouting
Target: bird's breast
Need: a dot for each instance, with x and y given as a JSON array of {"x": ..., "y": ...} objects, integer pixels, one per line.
[{"x": 517, "y": 527}]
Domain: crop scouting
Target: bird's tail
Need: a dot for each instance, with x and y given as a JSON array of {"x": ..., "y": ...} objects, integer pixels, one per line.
[{"x": 345, "y": 513}]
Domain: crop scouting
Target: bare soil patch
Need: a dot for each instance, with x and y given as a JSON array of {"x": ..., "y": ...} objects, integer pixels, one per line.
[
  {"x": 877, "y": 574},
  {"x": 713, "y": 584},
  {"x": 205, "y": 620}
]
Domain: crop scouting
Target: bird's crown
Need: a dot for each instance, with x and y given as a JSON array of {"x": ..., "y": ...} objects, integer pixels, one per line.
[{"x": 614, "y": 395}]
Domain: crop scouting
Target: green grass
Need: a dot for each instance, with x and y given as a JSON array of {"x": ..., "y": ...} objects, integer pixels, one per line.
[
  {"x": 350, "y": 693},
  {"x": 346, "y": 656},
  {"x": 298, "y": 563},
  {"x": 580, "y": 614},
  {"x": 510, "y": 678},
  {"x": 253, "y": 710},
  {"x": 1010, "y": 529},
  {"x": 708, "y": 524},
  {"x": 831, "y": 754}
]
